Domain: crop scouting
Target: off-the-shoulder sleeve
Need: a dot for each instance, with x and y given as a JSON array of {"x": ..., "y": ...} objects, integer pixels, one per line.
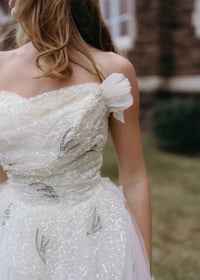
[{"x": 116, "y": 90}]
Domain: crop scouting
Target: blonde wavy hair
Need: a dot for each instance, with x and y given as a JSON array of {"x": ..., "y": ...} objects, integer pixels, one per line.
[{"x": 57, "y": 28}]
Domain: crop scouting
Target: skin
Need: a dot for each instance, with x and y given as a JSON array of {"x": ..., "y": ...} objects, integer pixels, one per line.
[{"x": 18, "y": 66}]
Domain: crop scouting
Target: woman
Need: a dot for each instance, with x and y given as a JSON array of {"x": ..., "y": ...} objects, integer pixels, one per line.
[{"x": 61, "y": 90}]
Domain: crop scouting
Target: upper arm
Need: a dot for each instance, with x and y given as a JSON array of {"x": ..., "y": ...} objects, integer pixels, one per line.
[{"x": 126, "y": 137}]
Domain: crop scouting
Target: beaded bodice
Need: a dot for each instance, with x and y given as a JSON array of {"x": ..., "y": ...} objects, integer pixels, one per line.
[
  {"x": 57, "y": 137},
  {"x": 59, "y": 219}
]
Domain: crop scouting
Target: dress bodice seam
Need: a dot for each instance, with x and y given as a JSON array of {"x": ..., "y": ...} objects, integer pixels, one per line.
[{"x": 49, "y": 93}]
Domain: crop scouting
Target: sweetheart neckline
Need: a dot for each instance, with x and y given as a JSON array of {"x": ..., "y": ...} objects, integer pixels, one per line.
[{"x": 48, "y": 93}]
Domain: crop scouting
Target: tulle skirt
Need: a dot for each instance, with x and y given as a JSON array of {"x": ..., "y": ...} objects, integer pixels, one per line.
[{"x": 96, "y": 238}]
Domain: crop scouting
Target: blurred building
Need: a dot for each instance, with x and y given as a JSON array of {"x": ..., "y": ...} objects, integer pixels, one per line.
[
  {"x": 5, "y": 22},
  {"x": 4, "y": 18},
  {"x": 162, "y": 39}
]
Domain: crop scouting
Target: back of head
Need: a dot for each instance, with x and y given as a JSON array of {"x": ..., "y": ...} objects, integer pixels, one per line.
[
  {"x": 58, "y": 27},
  {"x": 88, "y": 19}
]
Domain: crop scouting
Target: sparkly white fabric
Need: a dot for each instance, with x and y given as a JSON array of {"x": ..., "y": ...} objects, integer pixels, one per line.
[{"x": 59, "y": 219}]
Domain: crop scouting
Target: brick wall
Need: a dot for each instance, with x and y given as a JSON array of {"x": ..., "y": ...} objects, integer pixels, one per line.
[
  {"x": 4, "y": 5},
  {"x": 166, "y": 54},
  {"x": 145, "y": 55},
  {"x": 166, "y": 44}
]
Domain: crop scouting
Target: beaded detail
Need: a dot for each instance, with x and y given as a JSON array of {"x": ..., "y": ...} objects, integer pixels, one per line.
[
  {"x": 67, "y": 222},
  {"x": 7, "y": 213},
  {"x": 41, "y": 245},
  {"x": 96, "y": 223},
  {"x": 46, "y": 190}
]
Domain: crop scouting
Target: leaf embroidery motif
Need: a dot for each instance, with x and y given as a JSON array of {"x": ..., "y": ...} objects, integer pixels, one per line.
[
  {"x": 46, "y": 189},
  {"x": 7, "y": 213},
  {"x": 96, "y": 223},
  {"x": 41, "y": 246},
  {"x": 66, "y": 145}
]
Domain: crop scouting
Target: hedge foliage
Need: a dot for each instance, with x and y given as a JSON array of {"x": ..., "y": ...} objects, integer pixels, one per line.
[{"x": 176, "y": 126}]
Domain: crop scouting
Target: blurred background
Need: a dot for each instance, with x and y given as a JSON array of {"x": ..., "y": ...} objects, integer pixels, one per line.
[{"x": 162, "y": 40}]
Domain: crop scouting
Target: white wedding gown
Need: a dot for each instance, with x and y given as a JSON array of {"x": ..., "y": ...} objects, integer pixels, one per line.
[{"x": 59, "y": 219}]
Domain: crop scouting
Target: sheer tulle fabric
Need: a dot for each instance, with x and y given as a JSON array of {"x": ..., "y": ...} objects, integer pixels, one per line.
[
  {"x": 119, "y": 231},
  {"x": 59, "y": 219}
]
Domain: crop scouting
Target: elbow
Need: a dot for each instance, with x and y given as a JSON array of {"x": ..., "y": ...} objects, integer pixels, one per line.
[{"x": 130, "y": 182}]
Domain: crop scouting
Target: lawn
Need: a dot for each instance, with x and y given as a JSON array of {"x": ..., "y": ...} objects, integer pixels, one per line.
[{"x": 175, "y": 191}]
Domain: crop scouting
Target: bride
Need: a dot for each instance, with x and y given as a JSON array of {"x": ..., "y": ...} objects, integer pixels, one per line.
[{"x": 61, "y": 91}]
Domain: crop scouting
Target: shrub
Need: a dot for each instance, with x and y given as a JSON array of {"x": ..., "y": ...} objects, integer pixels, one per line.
[{"x": 176, "y": 126}]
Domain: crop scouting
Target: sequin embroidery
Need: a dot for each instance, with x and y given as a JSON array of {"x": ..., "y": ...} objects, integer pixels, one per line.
[
  {"x": 65, "y": 144},
  {"x": 67, "y": 222},
  {"x": 41, "y": 245},
  {"x": 7, "y": 213},
  {"x": 96, "y": 223},
  {"x": 47, "y": 190}
]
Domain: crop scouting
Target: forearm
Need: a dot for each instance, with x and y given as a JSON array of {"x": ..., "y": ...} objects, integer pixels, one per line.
[
  {"x": 138, "y": 199},
  {"x": 3, "y": 176}
]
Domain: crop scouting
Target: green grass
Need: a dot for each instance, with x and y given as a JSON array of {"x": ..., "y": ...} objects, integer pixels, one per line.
[{"x": 175, "y": 191}]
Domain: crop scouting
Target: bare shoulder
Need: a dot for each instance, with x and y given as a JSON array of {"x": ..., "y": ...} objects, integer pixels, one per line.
[{"x": 116, "y": 63}]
